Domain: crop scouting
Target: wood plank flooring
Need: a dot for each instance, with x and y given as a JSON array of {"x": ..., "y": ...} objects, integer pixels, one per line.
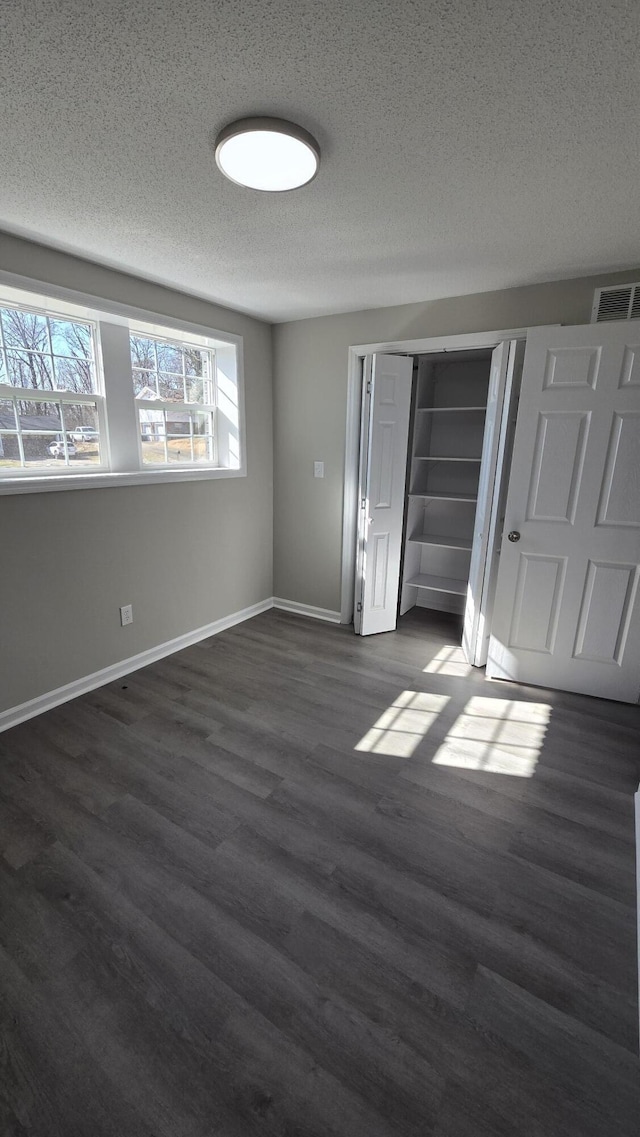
[{"x": 294, "y": 883}]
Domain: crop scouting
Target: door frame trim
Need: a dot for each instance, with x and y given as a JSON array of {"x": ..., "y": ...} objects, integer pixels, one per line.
[{"x": 357, "y": 352}]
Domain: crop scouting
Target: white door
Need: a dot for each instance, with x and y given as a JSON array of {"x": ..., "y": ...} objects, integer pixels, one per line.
[
  {"x": 383, "y": 470},
  {"x": 476, "y": 617},
  {"x": 566, "y": 612}
]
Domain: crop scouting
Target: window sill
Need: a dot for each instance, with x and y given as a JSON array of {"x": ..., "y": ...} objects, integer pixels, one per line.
[{"x": 109, "y": 480}]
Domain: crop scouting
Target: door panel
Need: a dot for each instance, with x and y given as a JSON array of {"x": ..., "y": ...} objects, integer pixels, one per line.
[
  {"x": 631, "y": 366},
  {"x": 382, "y": 479},
  {"x": 620, "y": 498},
  {"x": 567, "y": 610},
  {"x": 606, "y": 606},
  {"x": 557, "y": 466},
  {"x": 382, "y": 492},
  {"x": 538, "y": 596},
  {"x": 571, "y": 367}
]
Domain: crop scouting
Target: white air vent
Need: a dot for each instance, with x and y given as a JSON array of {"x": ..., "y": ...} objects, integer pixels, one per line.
[{"x": 622, "y": 302}]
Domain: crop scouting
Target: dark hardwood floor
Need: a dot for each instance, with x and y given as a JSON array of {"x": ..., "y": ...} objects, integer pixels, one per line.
[{"x": 292, "y": 882}]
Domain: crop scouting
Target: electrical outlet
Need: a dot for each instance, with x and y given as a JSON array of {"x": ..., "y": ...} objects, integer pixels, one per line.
[
  {"x": 318, "y": 469},
  {"x": 126, "y": 614}
]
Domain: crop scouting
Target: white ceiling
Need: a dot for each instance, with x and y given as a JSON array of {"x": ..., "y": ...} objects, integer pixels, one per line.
[{"x": 467, "y": 144}]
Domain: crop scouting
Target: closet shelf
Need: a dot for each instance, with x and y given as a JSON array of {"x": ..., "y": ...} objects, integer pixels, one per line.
[
  {"x": 447, "y": 410},
  {"x": 441, "y": 496},
  {"x": 442, "y": 458},
  {"x": 443, "y": 542},
  {"x": 439, "y": 583},
  {"x": 445, "y": 461}
]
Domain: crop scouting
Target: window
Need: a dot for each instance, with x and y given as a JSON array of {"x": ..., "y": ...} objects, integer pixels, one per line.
[
  {"x": 51, "y": 407},
  {"x": 73, "y": 412},
  {"x": 173, "y": 382}
]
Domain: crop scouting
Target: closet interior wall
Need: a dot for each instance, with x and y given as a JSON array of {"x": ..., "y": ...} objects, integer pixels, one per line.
[{"x": 445, "y": 450}]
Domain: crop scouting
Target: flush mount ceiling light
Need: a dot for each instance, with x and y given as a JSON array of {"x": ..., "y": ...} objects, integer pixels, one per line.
[{"x": 267, "y": 154}]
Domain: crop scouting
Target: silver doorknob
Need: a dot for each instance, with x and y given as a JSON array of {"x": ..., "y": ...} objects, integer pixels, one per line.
[{"x": 514, "y": 535}]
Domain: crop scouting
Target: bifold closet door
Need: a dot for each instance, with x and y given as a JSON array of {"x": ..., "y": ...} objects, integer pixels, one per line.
[
  {"x": 567, "y": 606},
  {"x": 383, "y": 467},
  {"x": 506, "y": 365}
]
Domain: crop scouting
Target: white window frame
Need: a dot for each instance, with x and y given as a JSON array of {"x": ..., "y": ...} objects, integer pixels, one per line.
[
  {"x": 118, "y": 411},
  {"x": 163, "y": 405},
  {"x": 38, "y": 395}
]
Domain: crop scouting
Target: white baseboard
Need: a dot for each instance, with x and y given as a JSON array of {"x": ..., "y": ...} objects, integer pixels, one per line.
[
  {"x": 306, "y": 610},
  {"x": 51, "y": 699}
]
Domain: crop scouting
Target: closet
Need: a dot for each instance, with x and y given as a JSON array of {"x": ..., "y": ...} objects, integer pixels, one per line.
[
  {"x": 435, "y": 436},
  {"x": 446, "y": 433},
  {"x": 496, "y": 480}
]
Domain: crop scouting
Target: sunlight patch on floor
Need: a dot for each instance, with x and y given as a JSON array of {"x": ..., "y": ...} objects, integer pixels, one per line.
[
  {"x": 499, "y": 736},
  {"x": 450, "y": 660},
  {"x": 401, "y": 728}
]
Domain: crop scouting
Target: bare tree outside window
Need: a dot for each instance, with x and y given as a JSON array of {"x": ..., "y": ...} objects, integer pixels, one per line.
[{"x": 47, "y": 355}]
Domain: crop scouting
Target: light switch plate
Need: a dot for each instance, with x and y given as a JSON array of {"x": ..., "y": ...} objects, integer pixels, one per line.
[{"x": 318, "y": 469}]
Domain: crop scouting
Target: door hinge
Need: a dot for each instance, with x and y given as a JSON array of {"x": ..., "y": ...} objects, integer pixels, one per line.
[
  {"x": 358, "y": 607},
  {"x": 363, "y": 503},
  {"x": 368, "y": 386}
]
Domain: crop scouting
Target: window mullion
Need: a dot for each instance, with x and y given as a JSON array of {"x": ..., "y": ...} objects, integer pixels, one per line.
[
  {"x": 54, "y": 377},
  {"x": 157, "y": 366},
  {"x": 38, "y": 395},
  {"x": 19, "y": 436},
  {"x": 122, "y": 418},
  {"x": 63, "y": 424}
]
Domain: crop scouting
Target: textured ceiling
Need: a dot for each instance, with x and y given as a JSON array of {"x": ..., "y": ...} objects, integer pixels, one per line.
[{"x": 467, "y": 144}]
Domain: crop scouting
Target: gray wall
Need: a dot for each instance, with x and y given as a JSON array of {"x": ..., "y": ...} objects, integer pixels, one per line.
[
  {"x": 310, "y": 388},
  {"x": 184, "y": 555}
]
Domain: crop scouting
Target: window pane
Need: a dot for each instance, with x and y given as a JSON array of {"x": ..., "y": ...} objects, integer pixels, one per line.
[
  {"x": 153, "y": 453},
  {"x": 38, "y": 416},
  {"x": 81, "y": 422},
  {"x": 152, "y": 433},
  {"x": 169, "y": 358},
  {"x": 179, "y": 449},
  {"x": 189, "y": 436},
  {"x": 68, "y": 338},
  {"x": 24, "y": 330},
  {"x": 199, "y": 391},
  {"x": 203, "y": 448},
  {"x": 7, "y": 415},
  {"x": 172, "y": 372},
  {"x": 43, "y": 449},
  {"x": 41, "y": 428},
  {"x": 81, "y": 417},
  {"x": 151, "y": 424},
  {"x": 171, "y": 387},
  {"x": 29, "y": 370},
  {"x": 143, "y": 353},
  {"x": 9, "y": 451},
  {"x": 178, "y": 422},
  {"x": 195, "y": 362},
  {"x": 144, "y": 385},
  {"x": 203, "y": 423},
  {"x": 74, "y": 375}
]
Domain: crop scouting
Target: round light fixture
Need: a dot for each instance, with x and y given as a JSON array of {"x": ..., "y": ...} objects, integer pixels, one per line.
[{"x": 267, "y": 154}]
